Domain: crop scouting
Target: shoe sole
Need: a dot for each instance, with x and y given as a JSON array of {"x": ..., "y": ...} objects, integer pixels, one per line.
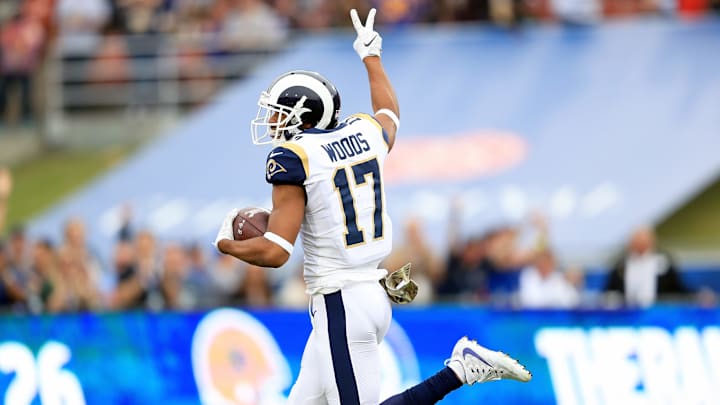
[
  {"x": 508, "y": 367},
  {"x": 511, "y": 369}
]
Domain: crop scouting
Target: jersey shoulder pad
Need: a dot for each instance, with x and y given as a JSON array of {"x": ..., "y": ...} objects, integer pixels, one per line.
[
  {"x": 287, "y": 164},
  {"x": 367, "y": 118}
]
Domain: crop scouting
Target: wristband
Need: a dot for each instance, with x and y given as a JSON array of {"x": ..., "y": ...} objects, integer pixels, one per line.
[
  {"x": 280, "y": 241},
  {"x": 390, "y": 114}
]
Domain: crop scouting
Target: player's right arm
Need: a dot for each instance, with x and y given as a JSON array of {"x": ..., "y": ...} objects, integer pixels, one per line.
[
  {"x": 285, "y": 220},
  {"x": 368, "y": 45},
  {"x": 287, "y": 170}
]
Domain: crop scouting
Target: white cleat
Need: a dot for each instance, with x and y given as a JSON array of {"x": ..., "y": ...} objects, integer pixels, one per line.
[{"x": 481, "y": 365}]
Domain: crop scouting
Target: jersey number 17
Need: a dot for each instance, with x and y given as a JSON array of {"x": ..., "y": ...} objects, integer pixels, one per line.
[{"x": 354, "y": 235}]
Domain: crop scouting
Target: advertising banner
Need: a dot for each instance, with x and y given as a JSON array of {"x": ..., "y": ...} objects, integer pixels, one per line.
[{"x": 665, "y": 355}]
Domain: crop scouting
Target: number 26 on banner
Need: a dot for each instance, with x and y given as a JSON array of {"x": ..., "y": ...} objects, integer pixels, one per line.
[{"x": 43, "y": 376}]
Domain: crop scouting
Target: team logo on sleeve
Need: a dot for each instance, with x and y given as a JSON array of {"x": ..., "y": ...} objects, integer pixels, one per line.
[{"x": 273, "y": 168}]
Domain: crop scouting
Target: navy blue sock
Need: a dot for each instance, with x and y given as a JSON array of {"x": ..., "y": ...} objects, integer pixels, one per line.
[{"x": 429, "y": 391}]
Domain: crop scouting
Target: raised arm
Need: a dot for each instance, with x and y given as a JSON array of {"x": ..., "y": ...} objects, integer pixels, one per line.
[{"x": 368, "y": 46}]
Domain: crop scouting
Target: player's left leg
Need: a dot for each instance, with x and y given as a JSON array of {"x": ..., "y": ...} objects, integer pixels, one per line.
[{"x": 470, "y": 363}]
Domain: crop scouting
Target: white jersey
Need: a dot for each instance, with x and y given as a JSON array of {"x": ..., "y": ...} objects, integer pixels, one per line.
[{"x": 346, "y": 231}]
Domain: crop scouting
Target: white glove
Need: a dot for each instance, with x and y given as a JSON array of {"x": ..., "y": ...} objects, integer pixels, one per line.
[
  {"x": 368, "y": 41},
  {"x": 226, "y": 229}
]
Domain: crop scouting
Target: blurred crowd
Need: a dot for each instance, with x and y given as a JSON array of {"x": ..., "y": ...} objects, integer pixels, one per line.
[
  {"x": 515, "y": 266},
  {"x": 512, "y": 266},
  {"x": 497, "y": 265},
  {"x": 40, "y": 276},
  {"x": 120, "y": 41}
]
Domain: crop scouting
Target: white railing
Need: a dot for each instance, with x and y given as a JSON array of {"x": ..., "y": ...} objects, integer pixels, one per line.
[
  {"x": 155, "y": 78},
  {"x": 153, "y": 75}
]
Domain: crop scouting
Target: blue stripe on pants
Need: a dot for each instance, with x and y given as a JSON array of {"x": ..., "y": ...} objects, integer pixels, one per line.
[{"x": 339, "y": 350}]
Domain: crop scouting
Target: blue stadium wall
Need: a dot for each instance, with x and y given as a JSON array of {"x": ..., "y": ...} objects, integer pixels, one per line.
[{"x": 668, "y": 355}]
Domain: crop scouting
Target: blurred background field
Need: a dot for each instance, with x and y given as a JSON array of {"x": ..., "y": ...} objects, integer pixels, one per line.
[
  {"x": 44, "y": 180},
  {"x": 694, "y": 226},
  {"x": 555, "y": 184}
]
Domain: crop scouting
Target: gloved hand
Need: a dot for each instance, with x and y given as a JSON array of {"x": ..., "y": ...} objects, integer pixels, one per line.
[
  {"x": 368, "y": 41},
  {"x": 226, "y": 231},
  {"x": 399, "y": 287}
]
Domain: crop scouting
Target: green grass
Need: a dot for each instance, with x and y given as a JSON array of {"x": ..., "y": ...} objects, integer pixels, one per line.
[
  {"x": 696, "y": 224},
  {"x": 43, "y": 181}
]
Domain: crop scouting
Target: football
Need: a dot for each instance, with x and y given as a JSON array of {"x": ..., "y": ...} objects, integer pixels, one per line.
[{"x": 250, "y": 222}]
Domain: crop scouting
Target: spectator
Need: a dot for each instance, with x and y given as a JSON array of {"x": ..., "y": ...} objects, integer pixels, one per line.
[
  {"x": 48, "y": 286},
  {"x": 43, "y": 11},
  {"x": 227, "y": 282},
  {"x": 227, "y": 274},
  {"x": 126, "y": 231},
  {"x": 539, "y": 10},
  {"x": 6, "y": 185},
  {"x": 147, "y": 260},
  {"x": 14, "y": 260},
  {"x": 140, "y": 17},
  {"x": 21, "y": 44},
  {"x": 313, "y": 15},
  {"x": 12, "y": 295},
  {"x": 291, "y": 293},
  {"x": 81, "y": 23},
  {"x": 543, "y": 285},
  {"x": 629, "y": 8},
  {"x": 694, "y": 8},
  {"x": 20, "y": 257},
  {"x": 195, "y": 42},
  {"x": 131, "y": 289},
  {"x": 448, "y": 11},
  {"x": 251, "y": 24},
  {"x": 401, "y": 12},
  {"x": 463, "y": 277},
  {"x": 142, "y": 21},
  {"x": 644, "y": 274},
  {"x": 81, "y": 293},
  {"x": 255, "y": 291},
  {"x": 506, "y": 254},
  {"x": 172, "y": 283},
  {"x": 199, "y": 281},
  {"x": 578, "y": 11},
  {"x": 110, "y": 65},
  {"x": 76, "y": 247}
]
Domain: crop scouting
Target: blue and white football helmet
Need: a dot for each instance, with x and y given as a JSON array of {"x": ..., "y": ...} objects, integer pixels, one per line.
[{"x": 295, "y": 101}]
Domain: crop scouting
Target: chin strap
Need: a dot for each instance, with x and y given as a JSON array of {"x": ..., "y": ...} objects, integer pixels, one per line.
[{"x": 399, "y": 287}]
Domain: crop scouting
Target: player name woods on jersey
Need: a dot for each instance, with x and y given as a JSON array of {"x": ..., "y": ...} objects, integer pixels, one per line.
[{"x": 346, "y": 147}]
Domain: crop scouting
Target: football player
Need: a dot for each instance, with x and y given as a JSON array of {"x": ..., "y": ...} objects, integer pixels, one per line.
[{"x": 327, "y": 183}]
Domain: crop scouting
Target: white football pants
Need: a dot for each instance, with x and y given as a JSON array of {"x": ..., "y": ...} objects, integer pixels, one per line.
[{"x": 341, "y": 361}]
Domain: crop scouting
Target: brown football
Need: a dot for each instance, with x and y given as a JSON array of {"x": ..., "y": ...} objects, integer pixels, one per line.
[{"x": 250, "y": 222}]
